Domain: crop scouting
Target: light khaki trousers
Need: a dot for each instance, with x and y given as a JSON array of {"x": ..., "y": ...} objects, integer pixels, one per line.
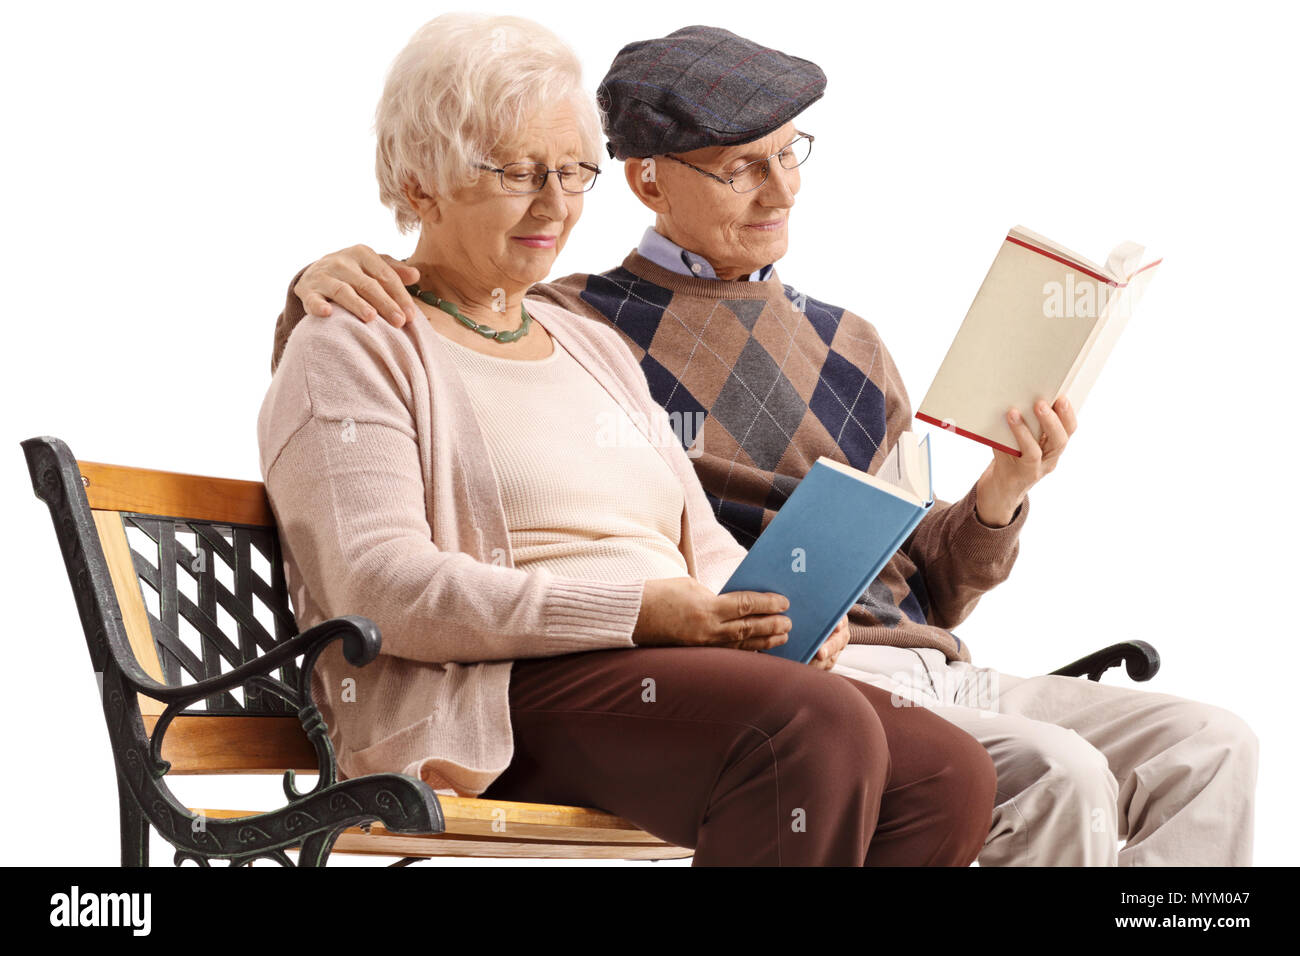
[{"x": 1083, "y": 765}]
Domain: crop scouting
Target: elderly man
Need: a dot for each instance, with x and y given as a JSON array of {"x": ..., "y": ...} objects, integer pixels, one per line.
[{"x": 763, "y": 379}]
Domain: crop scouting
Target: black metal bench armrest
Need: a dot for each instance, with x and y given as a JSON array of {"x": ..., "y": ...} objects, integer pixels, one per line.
[
  {"x": 361, "y": 643},
  {"x": 1139, "y": 658}
]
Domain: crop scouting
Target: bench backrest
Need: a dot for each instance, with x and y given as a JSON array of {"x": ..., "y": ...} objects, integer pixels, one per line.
[{"x": 196, "y": 575}]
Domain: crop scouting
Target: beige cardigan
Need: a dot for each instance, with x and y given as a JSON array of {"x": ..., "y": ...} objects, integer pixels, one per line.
[{"x": 387, "y": 506}]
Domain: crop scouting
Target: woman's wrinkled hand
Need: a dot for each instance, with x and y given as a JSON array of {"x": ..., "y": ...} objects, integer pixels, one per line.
[
  {"x": 682, "y": 611},
  {"x": 361, "y": 280},
  {"x": 829, "y": 652}
]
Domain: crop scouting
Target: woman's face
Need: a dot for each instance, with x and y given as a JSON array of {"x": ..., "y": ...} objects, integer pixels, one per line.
[{"x": 508, "y": 240}]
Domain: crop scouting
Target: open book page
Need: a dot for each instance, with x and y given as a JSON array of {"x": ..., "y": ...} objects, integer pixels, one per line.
[
  {"x": 923, "y": 471},
  {"x": 916, "y": 464},
  {"x": 891, "y": 470},
  {"x": 905, "y": 472},
  {"x": 1117, "y": 308}
]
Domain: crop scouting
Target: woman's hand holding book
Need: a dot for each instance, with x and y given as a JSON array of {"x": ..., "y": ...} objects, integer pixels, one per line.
[{"x": 682, "y": 611}]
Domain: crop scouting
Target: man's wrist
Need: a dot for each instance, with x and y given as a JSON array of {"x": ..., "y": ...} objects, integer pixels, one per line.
[
  {"x": 997, "y": 520},
  {"x": 991, "y": 508}
]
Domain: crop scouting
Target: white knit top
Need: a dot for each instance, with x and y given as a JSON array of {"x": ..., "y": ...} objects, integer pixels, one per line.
[{"x": 585, "y": 494}]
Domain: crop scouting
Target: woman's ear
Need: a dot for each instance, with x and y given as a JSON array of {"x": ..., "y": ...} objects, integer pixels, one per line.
[
  {"x": 425, "y": 205},
  {"x": 642, "y": 176}
]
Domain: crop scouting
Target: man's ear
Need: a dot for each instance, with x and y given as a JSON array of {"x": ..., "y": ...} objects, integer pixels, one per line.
[
  {"x": 642, "y": 177},
  {"x": 425, "y": 205}
]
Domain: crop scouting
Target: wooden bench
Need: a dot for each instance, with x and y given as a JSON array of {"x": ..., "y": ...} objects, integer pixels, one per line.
[{"x": 179, "y": 584}]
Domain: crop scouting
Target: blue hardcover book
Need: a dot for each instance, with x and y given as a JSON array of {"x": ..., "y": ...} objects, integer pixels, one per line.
[{"x": 830, "y": 539}]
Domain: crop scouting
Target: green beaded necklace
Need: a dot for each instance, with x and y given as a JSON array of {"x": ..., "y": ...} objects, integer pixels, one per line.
[{"x": 484, "y": 330}]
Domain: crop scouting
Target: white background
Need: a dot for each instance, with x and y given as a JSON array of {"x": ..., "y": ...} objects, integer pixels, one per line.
[{"x": 167, "y": 168}]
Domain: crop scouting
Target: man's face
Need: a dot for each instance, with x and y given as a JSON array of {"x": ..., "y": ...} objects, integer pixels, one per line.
[{"x": 736, "y": 232}]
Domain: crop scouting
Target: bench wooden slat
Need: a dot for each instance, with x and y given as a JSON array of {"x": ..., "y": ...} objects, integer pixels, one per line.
[
  {"x": 380, "y": 842},
  {"x": 126, "y": 586},
  {"x": 510, "y": 822},
  {"x": 355, "y": 841},
  {"x": 477, "y": 817},
  {"x": 197, "y": 744},
  {"x": 175, "y": 494}
]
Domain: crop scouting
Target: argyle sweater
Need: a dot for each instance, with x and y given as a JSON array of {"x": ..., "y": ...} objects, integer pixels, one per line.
[{"x": 760, "y": 380}]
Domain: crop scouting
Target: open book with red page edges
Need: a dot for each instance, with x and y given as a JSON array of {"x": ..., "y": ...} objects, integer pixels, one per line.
[{"x": 1042, "y": 325}]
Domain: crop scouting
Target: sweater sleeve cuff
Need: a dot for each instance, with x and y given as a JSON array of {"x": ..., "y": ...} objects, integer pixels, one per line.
[
  {"x": 982, "y": 543},
  {"x": 590, "y": 615}
]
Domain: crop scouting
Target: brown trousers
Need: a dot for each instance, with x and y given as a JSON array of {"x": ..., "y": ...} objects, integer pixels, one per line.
[{"x": 748, "y": 759}]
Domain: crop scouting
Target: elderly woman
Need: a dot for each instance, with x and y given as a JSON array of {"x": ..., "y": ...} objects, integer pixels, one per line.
[{"x": 548, "y": 597}]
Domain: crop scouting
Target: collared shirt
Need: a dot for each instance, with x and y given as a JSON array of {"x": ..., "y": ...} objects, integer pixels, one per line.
[{"x": 662, "y": 251}]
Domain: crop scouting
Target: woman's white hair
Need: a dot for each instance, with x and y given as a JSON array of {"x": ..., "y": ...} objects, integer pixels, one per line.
[{"x": 465, "y": 84}]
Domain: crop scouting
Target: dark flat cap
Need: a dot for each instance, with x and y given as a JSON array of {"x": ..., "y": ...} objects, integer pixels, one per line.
[{"x": 701, "y": 86}]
